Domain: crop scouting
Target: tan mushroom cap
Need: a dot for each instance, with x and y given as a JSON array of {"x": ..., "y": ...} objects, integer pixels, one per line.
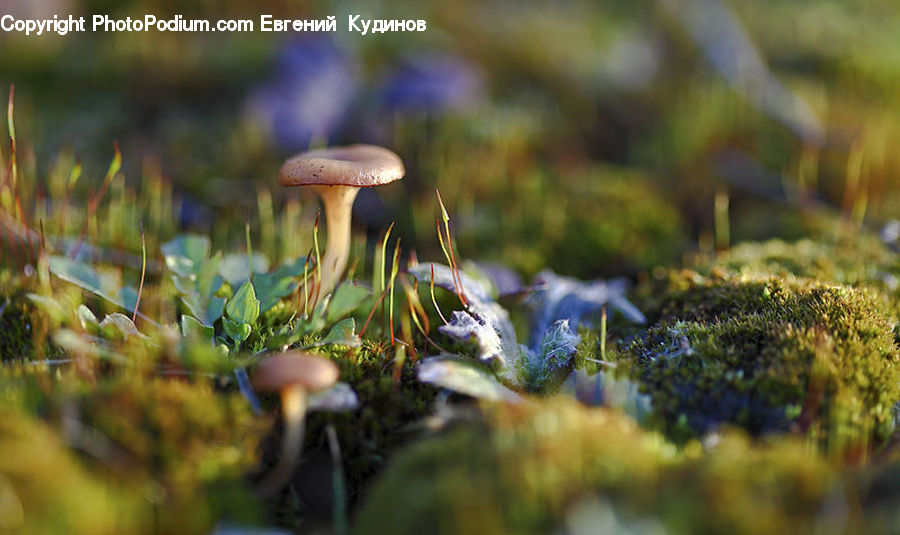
[
  {"x": 295, "y": 368},
  {"x": 360, "y": 166}
]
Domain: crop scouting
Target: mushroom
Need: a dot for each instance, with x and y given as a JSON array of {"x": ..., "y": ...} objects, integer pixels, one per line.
[
  {"x": 293, "y": 374},
  {"x": 337, "y": 174}
]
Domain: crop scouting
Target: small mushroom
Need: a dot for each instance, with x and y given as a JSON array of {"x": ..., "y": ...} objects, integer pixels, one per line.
[
  {"x": 337, "y": 174},
  {"x": 293, "y": 374}
]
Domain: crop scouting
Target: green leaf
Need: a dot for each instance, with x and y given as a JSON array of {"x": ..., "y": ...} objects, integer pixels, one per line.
[
  {"x": 88, "y": 320},
  {"x": 196, "y": 277},
  {"x": 117, "y": 326},
  {"x": 103, "y": 285},
  {"x": 234, "y": 267},
  {"x": 345, "y": 299},
  {"x": 271, "y": 287},
  {"x": 301, "y": 328},
  {"x": 214, "y": 310},
  {"x": 342, "y": 334},
  {"x": 192, "y": 328},
  {"x": 244, "y": 306},
  {"x": 235, "y": 330},
  {"x": 199, "y": 292},
  {"x": 185, "y": 253}
]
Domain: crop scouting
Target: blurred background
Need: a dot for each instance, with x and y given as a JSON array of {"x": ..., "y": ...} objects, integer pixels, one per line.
[{"x": 594, "y": 138}]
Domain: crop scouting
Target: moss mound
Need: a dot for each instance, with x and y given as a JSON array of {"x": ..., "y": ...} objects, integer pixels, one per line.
[
  {"x": 182, "y": 438},
  {"x": 862, "y": 262},
  {"x": 525, "y": 469},
  {"x": 180, "y": 447},
  {"x": 514, "y": 474},
  {"x": 743, "y": 486},
  {"x": 16, "y": 335},
  {"x": 45, "y": 489},
  {"x": 767, "y": 353}
]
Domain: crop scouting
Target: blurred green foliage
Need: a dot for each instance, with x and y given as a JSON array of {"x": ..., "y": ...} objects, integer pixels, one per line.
[
  {"x": 499, "y": 478},
  {"x": 599, "y": 139},
  {"x": 566, "y": 85}
]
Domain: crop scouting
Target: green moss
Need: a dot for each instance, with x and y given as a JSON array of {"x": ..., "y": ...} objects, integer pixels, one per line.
[
  {"x": 741, "y": 486},
  {"x": 187, "y": 442},
  {"x": 861, "y": 261},
  {"x": 177, "y": 448},
  {"x": 516, "y": 474},
  {"x": 22, "y": 323},
  {"x": 442, "y": 486},
  {"x": 16, "y": 337},
  {"x": 525, "y": 466},
  {"x": 767, "y": 353},
  {"x": 45, "y": 489}
]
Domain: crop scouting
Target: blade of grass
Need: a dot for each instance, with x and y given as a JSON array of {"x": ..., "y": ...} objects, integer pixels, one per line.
[
  {"x": 11, "y": 128},
  {"x": 21, "y": 218},
  {"x": 460, "y": 292},
  {"x": 95, "y": 199},
  {"x": 74, "y": 175},
  {"x": 13, "y": 173},
  {"x": 318, "y": 259},
  {"x": 306, "y": 285},
  {"x": 399, "y": 359},
  {"x": 448, "y": 250},
  {"x": 114, "y": 167},
  {"x": 137, "y": 304},
  {"x": 407, "y": 337},
  {"x": 249, "y": 248},
  {"x": 412, "y": 296},
  {"x": 395, "y": 264},
  {"x": 433, "y": 300},
  {"x": 414, "y": 308},
  {"x": 440, "y": 235},
  {"x": 383, "y": 258},
  {"x": 372, "y": 313}
]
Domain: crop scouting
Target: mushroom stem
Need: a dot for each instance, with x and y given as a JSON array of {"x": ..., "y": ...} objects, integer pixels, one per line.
[
  {"x": 293, "y": 409},
  {"x": 338, "y": 202}
]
